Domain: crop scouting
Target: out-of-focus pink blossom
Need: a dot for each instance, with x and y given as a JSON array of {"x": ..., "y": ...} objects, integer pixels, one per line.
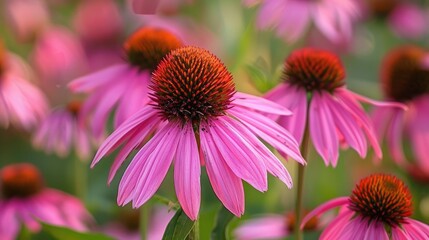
[
  {"x": 292, "y": 18},
  {"x": 21, "y": 103},
  {"x": 98, "y": 21},
  {"x": 25, "y": 201},
  {"x": 127, "y": 226},
  {"x": 196, "y": 117},
  {"x": 61, "y": 130},
  {"x": 405, "y": 79},
  {"x": 58, "y": 56},
  {"x": 27, "y": 18}
]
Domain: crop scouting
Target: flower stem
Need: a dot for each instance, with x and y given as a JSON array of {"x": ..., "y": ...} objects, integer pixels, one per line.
[
  {"x": 80, "y": 178},
  {"x": 144, "y": 218},
  {"x": 298, "y": 203}
]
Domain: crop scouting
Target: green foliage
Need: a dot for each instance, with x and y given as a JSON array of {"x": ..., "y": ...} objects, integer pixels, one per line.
[
  {"x": 179, "y": 227},
  {"x": 220, "y": 231},
  {"x": 62, "y": 233}
]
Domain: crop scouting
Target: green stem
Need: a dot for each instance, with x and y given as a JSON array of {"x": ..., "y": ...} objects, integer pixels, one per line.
[
  {"x": 300, "y": 188},
  {"x": 80, "y": 178},
  {"x": 144, "y": 218}
]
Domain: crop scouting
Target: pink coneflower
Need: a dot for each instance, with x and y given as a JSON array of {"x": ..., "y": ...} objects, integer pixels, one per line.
[
  {"x": 21, "y": 103},
  {"x": 405, "y": 79},
  {"x": 198, "y": 119},
  {"x": 60, "y": 130},
  {"x": 335, "y": 115},
  {"x": 379, "y": 208},
  {"x": 406, "y": 19},
  {"x": 25, "y": 200},
  {"x": 154, "y": 6},
  {"x": 127, "y": 226},
  {"x": 272, "y": 227},
  {"x": 291, "y": 18},
  {"x": 125, "y": 86}
]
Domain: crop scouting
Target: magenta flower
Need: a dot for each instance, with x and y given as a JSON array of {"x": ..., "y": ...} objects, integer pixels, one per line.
[
  {"x": 405, "y": 79},
  {"x": 197, "y": 118},
  {"x": 25, "y": 200},
  {"x": 21, "y": 103},
  {"x": 291, "y": 18},
  {"x": 379, "y": 208},
  {"x": 127, "y": 226},
  {"x": 335, "y": 115},
  {"x": 272, "y": 227},
  {"x": 124, "y": 86},
  {"x": 60, "y": 130}
]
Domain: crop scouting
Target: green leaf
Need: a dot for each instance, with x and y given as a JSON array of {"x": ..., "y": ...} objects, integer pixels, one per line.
[
  {"x": 223, "y": 219},
  {"x": 179, "y": 227},
  {"x": 62, "y": 233},
  {"x": 261, "y": 75}
]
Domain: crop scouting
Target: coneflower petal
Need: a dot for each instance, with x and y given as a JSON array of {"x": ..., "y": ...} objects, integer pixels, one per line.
[
  {"x": 97, "y": 79},
  {"x": 334, "y": 229},
  {"x": 259, "y": 104},
  {"x": 375, "y": 230},
  {"x": 226, "y": 185},
  {"x": 394, "y": 136},
  {"x": 322, "y": 131},
  {"x": 240, "y": 156},
  {"x": 187, "y": 172}
]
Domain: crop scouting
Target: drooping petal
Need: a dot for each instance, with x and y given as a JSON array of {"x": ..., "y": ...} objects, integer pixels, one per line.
[
  {"x": 271, "y": 132},
  {"x": 187, "y": 172},
  {"x": 348, "y": 126},
  {"x": 148, "y": 168},
  {"x": 87, "y": 83},
  {"x": 295, "y": 99},
  {"x": 325, "y": 207},
  {"x": 123, "y": 131},
  {"x": 355, "y": 229},
  {"x": 259, "y": 104},
  {"x": 226, "y": 185},
  {"x": 240, "y": 156},
  {"x": 394, "y": 136},
  {"x": 269, "y": 227},
  {"x": 273, "y": 164},
  {"x": 348, "y": 99},
  {"x": 9, "y": 225},
  {"x": 399, "y": 234},
  {"x": 322, "y": 130},
  {"x": 419, "y": 131}
]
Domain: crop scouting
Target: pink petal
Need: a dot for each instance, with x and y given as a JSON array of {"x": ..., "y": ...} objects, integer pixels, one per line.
[
  {"x": 399, "y": 234},
  {"x": 361, "y": 98},
  {"x": 187, "y": 172},
  {"x": 145, "y": 6},
  {"x": 325, "y": 207},
  {"x": 376, "y": 231},
  {"x": 240, "y": 156},
  {"x": 408, "y": 20},
  {"x": 416, "y": 231},
  {"x": 273, "y": 164},
  {"x": 355, "y": 229},
  {"x": 122, "y": 133},
  {"x": 348, "y": 126},
  {"x": 394, "y": 136},
  {"x": 419, "y": 132},
  {"x": 294, "y": 99},
  {"x": 271, "y": 132},
  {"x": 89, "y": 82},
  {"x": 259, "y": 104},
  {"x": 226, "y": 185},
  {"x": 322, "y": 129},
  {"x": 336, "y": 227},
  {"x": 150, "y": 165},
  {"x": 270, "y": 227},
  {"x": 348, "y": 99},
  {"x": 270, "y": 13},
  {"x": 293, "y": 24},
  {"x": 9, "y": 225}
]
